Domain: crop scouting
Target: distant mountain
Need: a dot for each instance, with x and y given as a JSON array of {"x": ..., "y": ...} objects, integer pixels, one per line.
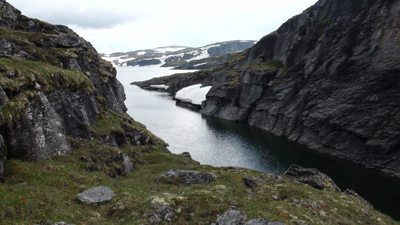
[{"x": 180, "y": 57}]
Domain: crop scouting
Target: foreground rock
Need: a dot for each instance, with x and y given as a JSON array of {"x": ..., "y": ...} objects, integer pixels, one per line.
[
  {"x": 312, "y": 177},
  {"x": 187, "y": 178},
  {"x": 97, "y": 195}
]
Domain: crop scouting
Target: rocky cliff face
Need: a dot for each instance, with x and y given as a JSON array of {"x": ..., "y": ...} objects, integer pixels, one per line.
[
  {"x": 54, "y": 88},
  {"x": 328, "y": 78}
]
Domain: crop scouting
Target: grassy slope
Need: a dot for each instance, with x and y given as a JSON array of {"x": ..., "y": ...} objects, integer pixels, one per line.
[{"x": 40, "y": 191}]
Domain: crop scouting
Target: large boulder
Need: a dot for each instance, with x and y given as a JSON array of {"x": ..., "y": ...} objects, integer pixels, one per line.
[
  {"x": 187, "y": 178},
  {"x": 312, "y": 177},
  {"x": 97, "y": 195}
]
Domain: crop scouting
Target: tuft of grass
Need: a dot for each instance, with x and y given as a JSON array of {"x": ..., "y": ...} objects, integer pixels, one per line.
[{"x": 19, "y": 75}]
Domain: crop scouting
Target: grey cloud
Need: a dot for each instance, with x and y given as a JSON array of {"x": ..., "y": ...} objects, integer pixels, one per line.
[{"x": 96, "y": 20}]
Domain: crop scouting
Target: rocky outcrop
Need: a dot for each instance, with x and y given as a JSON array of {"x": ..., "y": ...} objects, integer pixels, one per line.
[
  {"x": 327, "y": 78},
  {"x": 232, "y": 46},
  {"x": 97, "y": 195},
  {"x": 312, "y": 177},
  {"x": 54, "y": 87},
  {"x": 187, "y": 178}
]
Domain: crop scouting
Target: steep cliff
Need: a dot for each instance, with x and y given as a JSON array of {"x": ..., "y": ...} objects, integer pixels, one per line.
[
  {"x": 328, "y": 78},
  {"x": 55, "y": 88}
]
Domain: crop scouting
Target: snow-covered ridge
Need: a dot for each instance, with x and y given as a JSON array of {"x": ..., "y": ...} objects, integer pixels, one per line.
[{"x": 172, "y": 56}]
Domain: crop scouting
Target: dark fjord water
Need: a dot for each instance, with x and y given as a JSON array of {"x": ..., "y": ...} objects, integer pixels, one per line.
[{"x": 223, "y": 143}]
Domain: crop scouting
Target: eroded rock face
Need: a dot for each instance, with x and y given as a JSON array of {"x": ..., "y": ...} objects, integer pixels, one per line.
[
  {"x": 9, "y": 15},
  {"x": 97, "y": 195},
  {"x": 52, "y": 113},
  {"x": 187, "y": 178},
  {"x": 312, "y": 177},
  {"x": 340, "y": 95}
]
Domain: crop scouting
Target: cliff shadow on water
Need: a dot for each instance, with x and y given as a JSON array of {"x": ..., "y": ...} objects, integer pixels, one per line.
[{"x": 277, "y": 154}]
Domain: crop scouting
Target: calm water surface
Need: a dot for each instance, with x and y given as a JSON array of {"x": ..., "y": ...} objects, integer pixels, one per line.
[{"x": 223, "y": 143}]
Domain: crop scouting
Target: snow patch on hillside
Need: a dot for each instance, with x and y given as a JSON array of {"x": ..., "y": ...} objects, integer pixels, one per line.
[
  {"x": 168, "y": 49},
  {"x": 161, "y": 86},
  {"x": 194, "y": 94}
]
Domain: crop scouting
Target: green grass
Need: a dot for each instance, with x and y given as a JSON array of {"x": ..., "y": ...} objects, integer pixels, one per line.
[{"x": 46, "y": 190}]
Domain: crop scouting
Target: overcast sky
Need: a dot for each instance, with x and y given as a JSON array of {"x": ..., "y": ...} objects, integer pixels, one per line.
[{"x": 126, "y": 25}]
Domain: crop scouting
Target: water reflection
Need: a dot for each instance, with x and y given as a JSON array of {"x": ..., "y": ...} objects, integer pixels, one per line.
[
  {"x": 223, "y": 143},
  {"x": 276, "y": 154}
]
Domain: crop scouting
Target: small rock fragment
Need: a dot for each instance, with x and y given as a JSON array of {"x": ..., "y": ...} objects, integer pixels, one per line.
[{"x": 164, "y": 213}]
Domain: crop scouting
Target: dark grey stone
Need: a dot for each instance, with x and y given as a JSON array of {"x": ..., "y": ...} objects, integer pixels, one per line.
[
  {"x": 233, "y": 216},
  {"x": 186, "y": 154},
  {"x": 187, "y": 178},
  {"x": 251, "y": 181},
  {"x": 9, "y": 15},
  {"x": 97, "y": 195},
  {"x": 312, "y": 177}
]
